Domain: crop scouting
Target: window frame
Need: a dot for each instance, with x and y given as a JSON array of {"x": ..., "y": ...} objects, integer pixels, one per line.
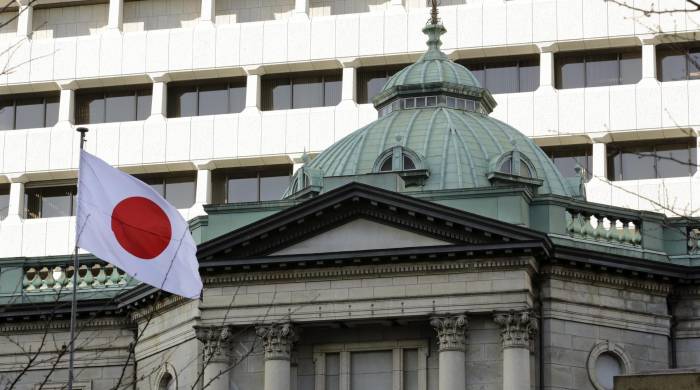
[
  {"x": 44, "y": 97},
  {"x": 149, "y": 178},
  {"x": 42, "y": 185},
  {"x": 228, "y": 174},
  {"x": 105, "y": 91},
  {"x": 290, "y": 77},
  {"x": 561, "y": 151},
  {"x": 519, "y": 60},
  {"x": 362, "y": 96},
  {"x": 683, "y": 49},
  {"x": 396, "y": 346},
  {"x": 615, "y": 150},
  {"x": 585, "y": 56},
  {"x": 232, "y": 82}
]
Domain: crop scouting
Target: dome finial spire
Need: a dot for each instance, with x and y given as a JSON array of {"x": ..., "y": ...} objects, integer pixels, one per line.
[{"x": 434, "y": 12}]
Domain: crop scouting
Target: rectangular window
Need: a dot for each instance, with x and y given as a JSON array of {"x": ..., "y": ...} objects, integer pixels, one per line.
[
  {"x": 208, "y": 97},
  {"x": 332, "y": 373},
  {"x": 410, "y": 369},
  {"x": 506, "y": 74},
  {"x": 371, "y": 370},
  {"x": 371, "y": 80},
  {"x": 678, "y": 61},
  {"x": 598, "y": 68},
  {"x": 302, "y": 90},
  {"x": 4, "y": 200},
  {"x": 28, "y": 111},
  {"x": 567, "y": 158},
  {"x": 49, "y": 202},
  {"x": 118, "y": 104},
  {"x": 651, "y": 159},
  {"x": 177, "y": 188},
  {"x": 255, "y": 184}
]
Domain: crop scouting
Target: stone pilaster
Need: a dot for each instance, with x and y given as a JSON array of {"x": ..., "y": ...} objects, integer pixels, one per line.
[
  {"x": 452, "y": 344},
  {"x": 518, "y": 331},
  {"x": 216, "y": 355},
  {"x": 277, "y": 342}
]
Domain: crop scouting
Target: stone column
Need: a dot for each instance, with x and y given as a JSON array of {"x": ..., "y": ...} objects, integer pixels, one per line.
[
  {"x": 599, "y": 164},
  {"x": 116, "y": 15},
  {"x": 547, "y": 69},
  {"x": 517, "y": 335},
  {"x": 159, "y": 96},
  {"x": 252, "y": 90},
  {"x": 15, "y": 208},
  {"x": 66, "y": 102},
  {"x": 452, "y": 343},
  {"x": 203, "y": 189},
  {"x": 648, "y": 60},
  {"x": 208, "y": 11},
  {"x": 24, "y": 19},
  {"x": 216, "y": 355},
  {"x": 277, "y": 343},
  {"x": 349, "y": 87}
]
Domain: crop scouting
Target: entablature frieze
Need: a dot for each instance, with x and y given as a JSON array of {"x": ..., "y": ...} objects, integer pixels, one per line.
[{"x": 647, "y": 285}]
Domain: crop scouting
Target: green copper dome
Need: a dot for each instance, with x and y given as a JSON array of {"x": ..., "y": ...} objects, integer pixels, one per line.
[
  {"x": 433, "y": 67},
  {"x": 434, "y": 132}
]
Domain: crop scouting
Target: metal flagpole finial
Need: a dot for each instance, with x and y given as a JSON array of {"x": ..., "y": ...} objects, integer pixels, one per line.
[
  {"x": 434, "y": 12},
  {"x": 82, "y": 131}
]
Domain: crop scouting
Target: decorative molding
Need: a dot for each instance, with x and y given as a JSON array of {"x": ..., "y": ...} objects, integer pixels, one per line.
[
  {"x": 162, "y": 305},
  {"x": 42, "y": 324},
  {"x": 277, "y": 340},
  {"x": 451, "y": 332},
  {"x": 217, "y": 340},
  {"x": 574, "y": 274},
  {"x": 517, "y": 329},
  {"x": 613, "y": 349},
  {"x": 482, "y": 265}
]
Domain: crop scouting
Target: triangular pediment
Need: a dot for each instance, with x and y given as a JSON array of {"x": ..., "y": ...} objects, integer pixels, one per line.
[{"x": 359, "y": 235}]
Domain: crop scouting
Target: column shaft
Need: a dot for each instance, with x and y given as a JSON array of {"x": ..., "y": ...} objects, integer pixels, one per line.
[
  {"x": 116, "y": 14},
  {"x": 349, "y": 88},
  {"x": 600, "y": 163},
  {"x": 277, "y": 343},
  {"x": 208, "y": 11},
  {"x": 65, "y": 105},
  {"x": 216, "y": 376},
  {"x": 215, "y": 356},
  {"x": 301, "y": 8},
  {"x": 203, "y": 191},
  {"x": 546, "y": 69},
  {"x": 452, "y": 345},
  {"x": 648, "y": 61},
  {"x": 252, "y": 91},
  {"x": 451, "y": 373},
  {"x": 24, "y": 20},
  {"x": 159, "y": 97},
  {"x": 278, "y": 374},
  {"x": 15, "y": 209},
  {"x": 516, "y": 369}
]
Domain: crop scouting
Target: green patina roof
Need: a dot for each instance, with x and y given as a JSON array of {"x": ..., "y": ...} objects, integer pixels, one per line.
[
  {"x": 433, "y": 67},
  {"x": 456, "y": 147}
]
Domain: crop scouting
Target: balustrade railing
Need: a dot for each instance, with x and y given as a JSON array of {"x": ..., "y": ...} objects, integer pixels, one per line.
[
  {"x": 59, "y": 278},
  {"x": 603, "y": 227}
]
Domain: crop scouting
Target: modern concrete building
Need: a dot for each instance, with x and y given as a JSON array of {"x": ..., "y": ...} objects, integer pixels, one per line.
[{"x": 437, "y": 247}]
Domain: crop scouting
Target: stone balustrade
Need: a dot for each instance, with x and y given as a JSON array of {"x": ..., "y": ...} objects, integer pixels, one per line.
[
  {"x": 57, "y": 278},
  {"x": 603, "y": 227}
]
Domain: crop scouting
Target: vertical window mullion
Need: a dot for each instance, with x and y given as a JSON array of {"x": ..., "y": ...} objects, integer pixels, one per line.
[
  {"x": 323, "y": 91},
  {"x": 258, "y": 186},
  {"x": 14, "y": 114},
  {"x": 619, "y": 68},
  {"x": 517, "y": 72},
  {"x": 196, "y": 102},
  {"x": 228, "y": 97},
  {"x": 585, "y": 72},
  {"x": 291, "y": 94}
]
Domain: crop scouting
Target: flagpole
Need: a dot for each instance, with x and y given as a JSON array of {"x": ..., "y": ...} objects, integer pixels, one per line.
[{"x": 74, "y": 303}]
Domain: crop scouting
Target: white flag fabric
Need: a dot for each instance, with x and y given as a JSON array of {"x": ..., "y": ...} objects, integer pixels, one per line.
[{"x": 124, "y": 221}]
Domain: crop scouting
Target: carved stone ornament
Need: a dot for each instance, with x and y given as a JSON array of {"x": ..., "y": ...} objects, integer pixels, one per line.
[
  {"x": 451, "y": 331},
  {"x": 517, "y": 329},
  {"x": 216, "y": 341},
  {"x": 277, "y": 340}
]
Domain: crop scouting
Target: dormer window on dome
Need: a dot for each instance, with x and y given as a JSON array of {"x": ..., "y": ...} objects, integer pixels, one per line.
[
  {"x": 403, "y": 161},
  {"x": 513, "y": 168}
]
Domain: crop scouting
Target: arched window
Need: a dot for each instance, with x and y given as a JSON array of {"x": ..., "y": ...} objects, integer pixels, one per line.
[
  {"x": 515, "y": 163},
  {"x": 167, "y": 382},
  {"x": 397, "y": 158}
]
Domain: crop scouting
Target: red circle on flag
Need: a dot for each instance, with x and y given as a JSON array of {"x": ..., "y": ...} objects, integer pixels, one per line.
[{"x": 141, "y": 227}]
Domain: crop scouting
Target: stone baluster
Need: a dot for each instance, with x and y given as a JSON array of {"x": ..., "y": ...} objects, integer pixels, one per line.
[
  {"x": 452, "y": 344},
  {"x": 277, "y": 343},
  {"x": 518, "y": 331},
  {"x": 216, "y": 355}
]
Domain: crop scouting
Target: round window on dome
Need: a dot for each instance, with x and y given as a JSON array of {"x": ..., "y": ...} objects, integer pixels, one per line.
[{"x": 607, "y": 367}]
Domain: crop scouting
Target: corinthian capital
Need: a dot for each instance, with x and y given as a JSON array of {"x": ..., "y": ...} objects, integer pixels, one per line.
[
  {"x": 517, "y": 328},
  {"x": 277, "y": 340},
  {"x": 451, "y": 332},
  {"x": 216, "y": 341}
]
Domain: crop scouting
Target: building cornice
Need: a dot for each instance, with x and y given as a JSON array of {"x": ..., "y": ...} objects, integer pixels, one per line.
[{"x": 574, "y": 274}]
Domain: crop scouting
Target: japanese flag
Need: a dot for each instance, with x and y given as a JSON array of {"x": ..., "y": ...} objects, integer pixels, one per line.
[{"x": 125, "y": 222}]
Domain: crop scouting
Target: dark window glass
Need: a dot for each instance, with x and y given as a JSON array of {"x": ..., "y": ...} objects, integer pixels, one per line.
[
  {"x": 4, "y": 200},
  {"x": 303, "y": 90},
  {"x": 599, "y": 68},
  {"x": 507, "y": 74},
  {"x": 177, "y": 189},
  {"x": 387, "y": 165},
  {"x": 678, "y": 61},
  {"x": 182, "y": 101},
  {"x": 372, "y": 370},
  {"x": 213, "y": 99},
  {"x": 49, "y": 202},
  {"x": 253, "y": 184},
  {"x": 408, "y": 163},
  {"x": 332, "y": 371},
  {"x": 568, "y": 158},
  {"x": 207, "y": 97},
  {"x": 410, "y": 369},
  {"x": 649, "y": 160},
  {"x": 28, "y": 111},
  {"x": 371, "y": 80},
  {"x": 120, "y": 104}
]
